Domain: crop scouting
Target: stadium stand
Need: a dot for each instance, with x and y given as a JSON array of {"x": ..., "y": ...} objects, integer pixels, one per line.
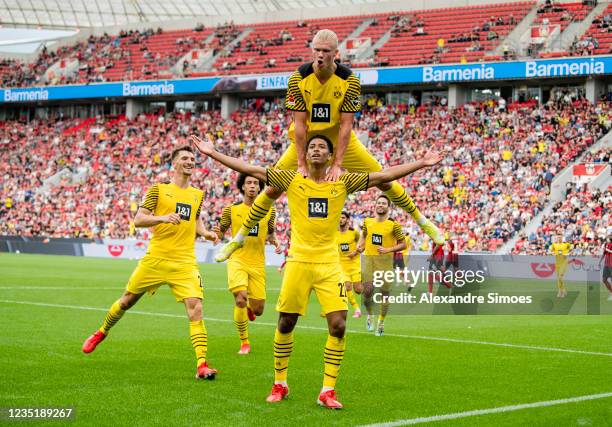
[
  {"x": 428, "y": 36},
  {"x": 582, "y": 218},
  {"x": 496, "y": 177},
  {"x": 597, "y": 40}
]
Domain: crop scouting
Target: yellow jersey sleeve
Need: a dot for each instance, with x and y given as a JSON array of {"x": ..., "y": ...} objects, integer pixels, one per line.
[
  {"x": 279, "y": 179},
  {"x": 150, "y": 201},
  {"x": 199, "y": 211},
  {"x": 226, "y": 219},
  {"x": 272, "y": 221},
  {"x": 364, "y": 228},
  {"x": 352, "y": 98},
  {"x": 357, "y": 235},
  {"x": 397, "y": 231},
  {"x": 294, "y": 100},
  {"x": 355, "y": 181}
]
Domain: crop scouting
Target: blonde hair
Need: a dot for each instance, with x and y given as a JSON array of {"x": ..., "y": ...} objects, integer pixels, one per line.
[{"x": 326, "y": 36}]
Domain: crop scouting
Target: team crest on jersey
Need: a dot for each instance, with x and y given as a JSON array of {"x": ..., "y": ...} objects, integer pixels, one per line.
[
  {"x": 337, "y": 92},
  {"x": 333, "y": 191}
]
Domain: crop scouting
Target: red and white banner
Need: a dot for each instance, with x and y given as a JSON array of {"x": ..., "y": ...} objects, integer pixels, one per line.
[{"x": 588, "y": 169}]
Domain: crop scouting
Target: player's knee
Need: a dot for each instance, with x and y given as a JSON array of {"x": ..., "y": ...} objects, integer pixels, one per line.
[
  {"x": 385, "y": 186},
  {"x": 194, "y": 310},
  {"x": 337, "y": 327},
  {"x": 368, "y": 290},
  {"x": 273, "y": 193},
  {"x": 257, "y": 309},
  {"x": 240, "y": 300},
  {"x": 127, "y": 300},
  {"x": 358, "y": 288},
  {"x": 286, "y": 324}
]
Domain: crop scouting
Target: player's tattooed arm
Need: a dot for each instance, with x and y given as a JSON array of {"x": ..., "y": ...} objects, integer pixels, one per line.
[
  {"x": 145, "y": 218},
  {"x": 396, "y": 172},
  {"x": 207, "y": 147}
]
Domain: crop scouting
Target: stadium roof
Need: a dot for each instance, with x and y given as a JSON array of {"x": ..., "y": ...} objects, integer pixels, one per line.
[{"x": 105, "y": 13}]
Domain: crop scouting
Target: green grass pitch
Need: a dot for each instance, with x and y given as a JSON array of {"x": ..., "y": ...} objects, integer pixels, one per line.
[{"x": 143, "y": 374}]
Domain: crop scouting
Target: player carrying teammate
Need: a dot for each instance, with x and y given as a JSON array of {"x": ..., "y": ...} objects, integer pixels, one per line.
[
  {"x": 606, "y": 256},
  {"x": 350, "y": 260},
  {"x": 173, "y": 210},
  {"x": 561, "y": 250},
  {"x": 380, "y": 238},
  {"x": 315, "y": 206},
  {"x": 324, "y": 97},
  {"x": 246, "y": 268}
]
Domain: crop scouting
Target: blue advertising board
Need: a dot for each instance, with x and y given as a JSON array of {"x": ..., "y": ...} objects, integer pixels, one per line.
[{"x": 448, "y": 73}]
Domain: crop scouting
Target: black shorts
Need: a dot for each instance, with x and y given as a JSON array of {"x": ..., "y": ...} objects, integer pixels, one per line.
[
  {"x": 454, "y": 263},
  {"x": 398, "y": 262},
  {"x": 436, "y": 264}
]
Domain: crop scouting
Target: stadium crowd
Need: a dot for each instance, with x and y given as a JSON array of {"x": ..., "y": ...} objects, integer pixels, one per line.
[{"x": 496, "y": 176}]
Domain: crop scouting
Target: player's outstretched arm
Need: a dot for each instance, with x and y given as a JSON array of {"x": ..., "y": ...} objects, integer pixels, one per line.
[
  {"x": 207, "y": 148},
  {"x": 396, "y": 172},
  {"x": 145, "y": 218}
]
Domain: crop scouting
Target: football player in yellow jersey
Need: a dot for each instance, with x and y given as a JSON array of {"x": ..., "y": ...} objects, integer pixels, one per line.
[
  {"x": 324, "y": 97},
  {"x": 315, "y": 206},
  {"x": 173, "y": 211},
  {"x": 561, "y": 250},
  {"x": 380, "y": 238},
  {"x": 350, "y": 260},
  {"x": 246, "y": 268}
]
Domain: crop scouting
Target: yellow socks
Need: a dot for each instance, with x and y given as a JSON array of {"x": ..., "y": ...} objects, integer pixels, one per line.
[
  {"x": 351, "y": 297},
  {"x": 199, "y": 340},
  {"x": 114, "y": 314},
  {"x": 402, "y": 200},
  {"x": 283, "y": 345},
  {"x": 332, "y": 356},
  {"x": 241, "y": 321}
]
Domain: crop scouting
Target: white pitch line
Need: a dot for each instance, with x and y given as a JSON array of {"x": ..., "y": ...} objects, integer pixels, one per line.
[
  {"x": 498, "y": 410},
  {"x": 317, "y": 328},
  {"x": 89, "y": 288}
]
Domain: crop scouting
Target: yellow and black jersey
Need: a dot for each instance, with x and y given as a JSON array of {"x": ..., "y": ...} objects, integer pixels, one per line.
[
  {"x": 314, "y": 210},
  {"x": 561, "y": 249},
  {"x": 379, "y": 234},
  {"x": 170, "y": 241},
  {"x": 347, "y": 243},
  {"x": 253, "y": 251},
  {"x": 341, "y": 93}
]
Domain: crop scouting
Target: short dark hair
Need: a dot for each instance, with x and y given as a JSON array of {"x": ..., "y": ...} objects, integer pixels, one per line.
[
  {"x": 345, "y": 213},
  {"x": 384, "y": 196},
  {"x": 330, "y": 146},
  {"x": 178, "y": 150},
  {"x": 242, "y": 178}
]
